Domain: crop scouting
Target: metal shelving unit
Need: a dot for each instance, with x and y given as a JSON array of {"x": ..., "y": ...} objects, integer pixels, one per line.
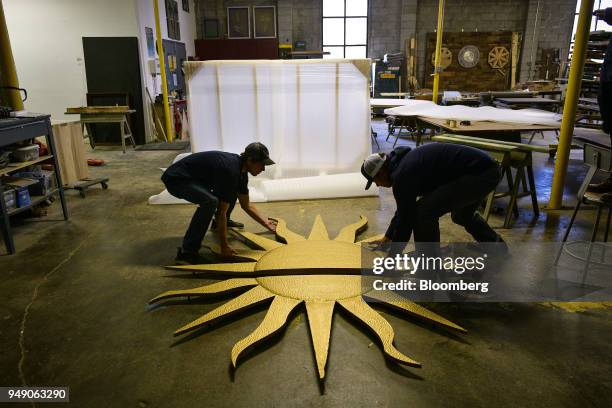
[{"x": 16, "y": 130}]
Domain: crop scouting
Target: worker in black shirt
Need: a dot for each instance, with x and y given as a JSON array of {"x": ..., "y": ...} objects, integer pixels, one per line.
[
  {"x": 605, "y": 103},
  {"x": 448, "y": 178},
  {"x": 214, "y": 180}
]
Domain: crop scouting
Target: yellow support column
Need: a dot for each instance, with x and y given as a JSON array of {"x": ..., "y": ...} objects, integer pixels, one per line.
[
  {"x": 437, "y": 68},
  {"x": 162, "y": 72},
  {"x": 8, "y": 73},
  {"x": 571, "y": 103}
]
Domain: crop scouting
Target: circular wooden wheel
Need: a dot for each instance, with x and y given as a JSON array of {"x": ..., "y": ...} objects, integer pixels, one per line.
[
  {"x": 498, "y": 57},
  {"x": 446, "y": 58},
  {"x": 469, "y": 56}
]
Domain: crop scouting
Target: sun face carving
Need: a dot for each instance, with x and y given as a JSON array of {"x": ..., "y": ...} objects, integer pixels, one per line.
[{"x": 316, "y": 271}]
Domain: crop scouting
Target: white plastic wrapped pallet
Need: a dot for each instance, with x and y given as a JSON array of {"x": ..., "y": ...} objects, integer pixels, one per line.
[{"x": 313, "y": 115}]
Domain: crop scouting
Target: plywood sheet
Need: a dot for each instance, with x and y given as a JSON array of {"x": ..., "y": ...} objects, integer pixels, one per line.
[
  {"x": 70, "y": 148},
  {"x": 98, "y": 109},
  {"x": 481, "y": 77}
]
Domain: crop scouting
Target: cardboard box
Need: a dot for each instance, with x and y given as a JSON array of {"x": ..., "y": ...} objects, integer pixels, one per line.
[
  {"x": 18, "y": 182},
  {"x": 44, "y": 181}
]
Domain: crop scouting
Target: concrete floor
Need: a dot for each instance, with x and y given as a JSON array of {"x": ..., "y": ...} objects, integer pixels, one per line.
[{"x": 75, "y": 314}]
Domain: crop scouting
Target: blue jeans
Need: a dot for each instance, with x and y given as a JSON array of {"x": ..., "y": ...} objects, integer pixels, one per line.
[{"x": 196, "y": 193}]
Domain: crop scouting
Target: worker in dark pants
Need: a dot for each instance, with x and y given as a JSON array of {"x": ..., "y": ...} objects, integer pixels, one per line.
[
  {"x": 605, "y": 103},
  {"x": 448, "y": 178},
  {"x": 214, "y": 180}
]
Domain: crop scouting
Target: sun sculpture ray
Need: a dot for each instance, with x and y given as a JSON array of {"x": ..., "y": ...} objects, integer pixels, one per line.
[{"x": 317, "y": 271}]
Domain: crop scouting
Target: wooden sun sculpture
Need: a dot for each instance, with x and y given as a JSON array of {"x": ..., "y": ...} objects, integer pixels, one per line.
[{"x": 316, "y": 271}]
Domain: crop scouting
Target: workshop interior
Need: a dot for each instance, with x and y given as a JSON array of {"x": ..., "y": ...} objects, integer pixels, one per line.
[{"x": 315, "y": 203}]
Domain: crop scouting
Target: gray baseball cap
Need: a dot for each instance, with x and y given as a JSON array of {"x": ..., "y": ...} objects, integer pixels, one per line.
[{"x": 371, "y": 166}]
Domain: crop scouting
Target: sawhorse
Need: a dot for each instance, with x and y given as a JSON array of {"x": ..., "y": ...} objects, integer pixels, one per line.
[
  {"x": 119, "y": 118},
  {"x": 510, "y": 156}
]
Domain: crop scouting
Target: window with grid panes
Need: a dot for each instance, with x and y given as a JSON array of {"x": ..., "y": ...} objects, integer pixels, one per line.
[{"x": 345, "y": 28}]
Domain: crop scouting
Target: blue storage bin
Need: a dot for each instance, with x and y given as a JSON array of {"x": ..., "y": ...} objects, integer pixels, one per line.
[{"x": 23, "y": 197}]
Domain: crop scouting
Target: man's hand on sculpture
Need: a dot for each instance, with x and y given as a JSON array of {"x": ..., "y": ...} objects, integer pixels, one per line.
[
  {"x": 227, "y": 251},
  {"x": 381, "y": 244},
  {"x": 271, "y": 224}
]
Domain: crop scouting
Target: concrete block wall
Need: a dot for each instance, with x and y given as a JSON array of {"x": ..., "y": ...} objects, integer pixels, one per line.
[
  {"x": 308, "y": 23},
  {"x": 384, "y": 24},
  {"x": 557, "y": 16},
  {"x": 542, "y": 23},
  {"x": 284, "y": 12},
  {"x": 530, "y": 39},
  {"x": 408, "y": 24}
]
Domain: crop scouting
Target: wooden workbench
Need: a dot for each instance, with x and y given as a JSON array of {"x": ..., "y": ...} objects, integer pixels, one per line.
[
  {"x": 509, "y": 132},
  {"x": 388, "y": 102},
  {"x": 395, "y": 94},
  {"x": 105, "y": 114},
  {"x": 535, "y": 102},
  {"x": 465, "y": 101}
]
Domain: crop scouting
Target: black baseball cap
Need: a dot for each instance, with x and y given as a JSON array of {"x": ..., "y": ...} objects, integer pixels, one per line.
[{"x": 258, "y": 152}]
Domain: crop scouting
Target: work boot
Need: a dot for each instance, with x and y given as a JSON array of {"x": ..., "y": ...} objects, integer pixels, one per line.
[
  {"x": 599, "y": 188},
  {"x": 230, "y": 224},
  {"x": 191, "y": 258}
]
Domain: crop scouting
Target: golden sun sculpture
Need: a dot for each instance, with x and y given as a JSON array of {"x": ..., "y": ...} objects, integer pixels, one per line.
[{"x": 316, "y": 271}]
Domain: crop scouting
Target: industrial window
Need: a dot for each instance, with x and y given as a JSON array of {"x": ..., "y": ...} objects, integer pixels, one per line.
[
  {"x": 596, "y": 24},
  {"x": 345, "y": 28}
]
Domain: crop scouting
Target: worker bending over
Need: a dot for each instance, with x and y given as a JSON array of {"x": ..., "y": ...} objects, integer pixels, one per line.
[
  {"x": 448, "y": 178},
  {"x": 213, "y": 180}
]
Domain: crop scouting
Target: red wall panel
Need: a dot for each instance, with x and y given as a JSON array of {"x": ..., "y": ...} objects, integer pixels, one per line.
[{"x": 231, "y": 49}]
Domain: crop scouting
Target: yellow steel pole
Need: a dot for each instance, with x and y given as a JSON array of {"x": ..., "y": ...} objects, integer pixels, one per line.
[
  {"x": 8, "y": 73},
  {"x": 437, "y": 68},
  {"x": 571, "y": 103},
  {"x": 162, "y": 72}
]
